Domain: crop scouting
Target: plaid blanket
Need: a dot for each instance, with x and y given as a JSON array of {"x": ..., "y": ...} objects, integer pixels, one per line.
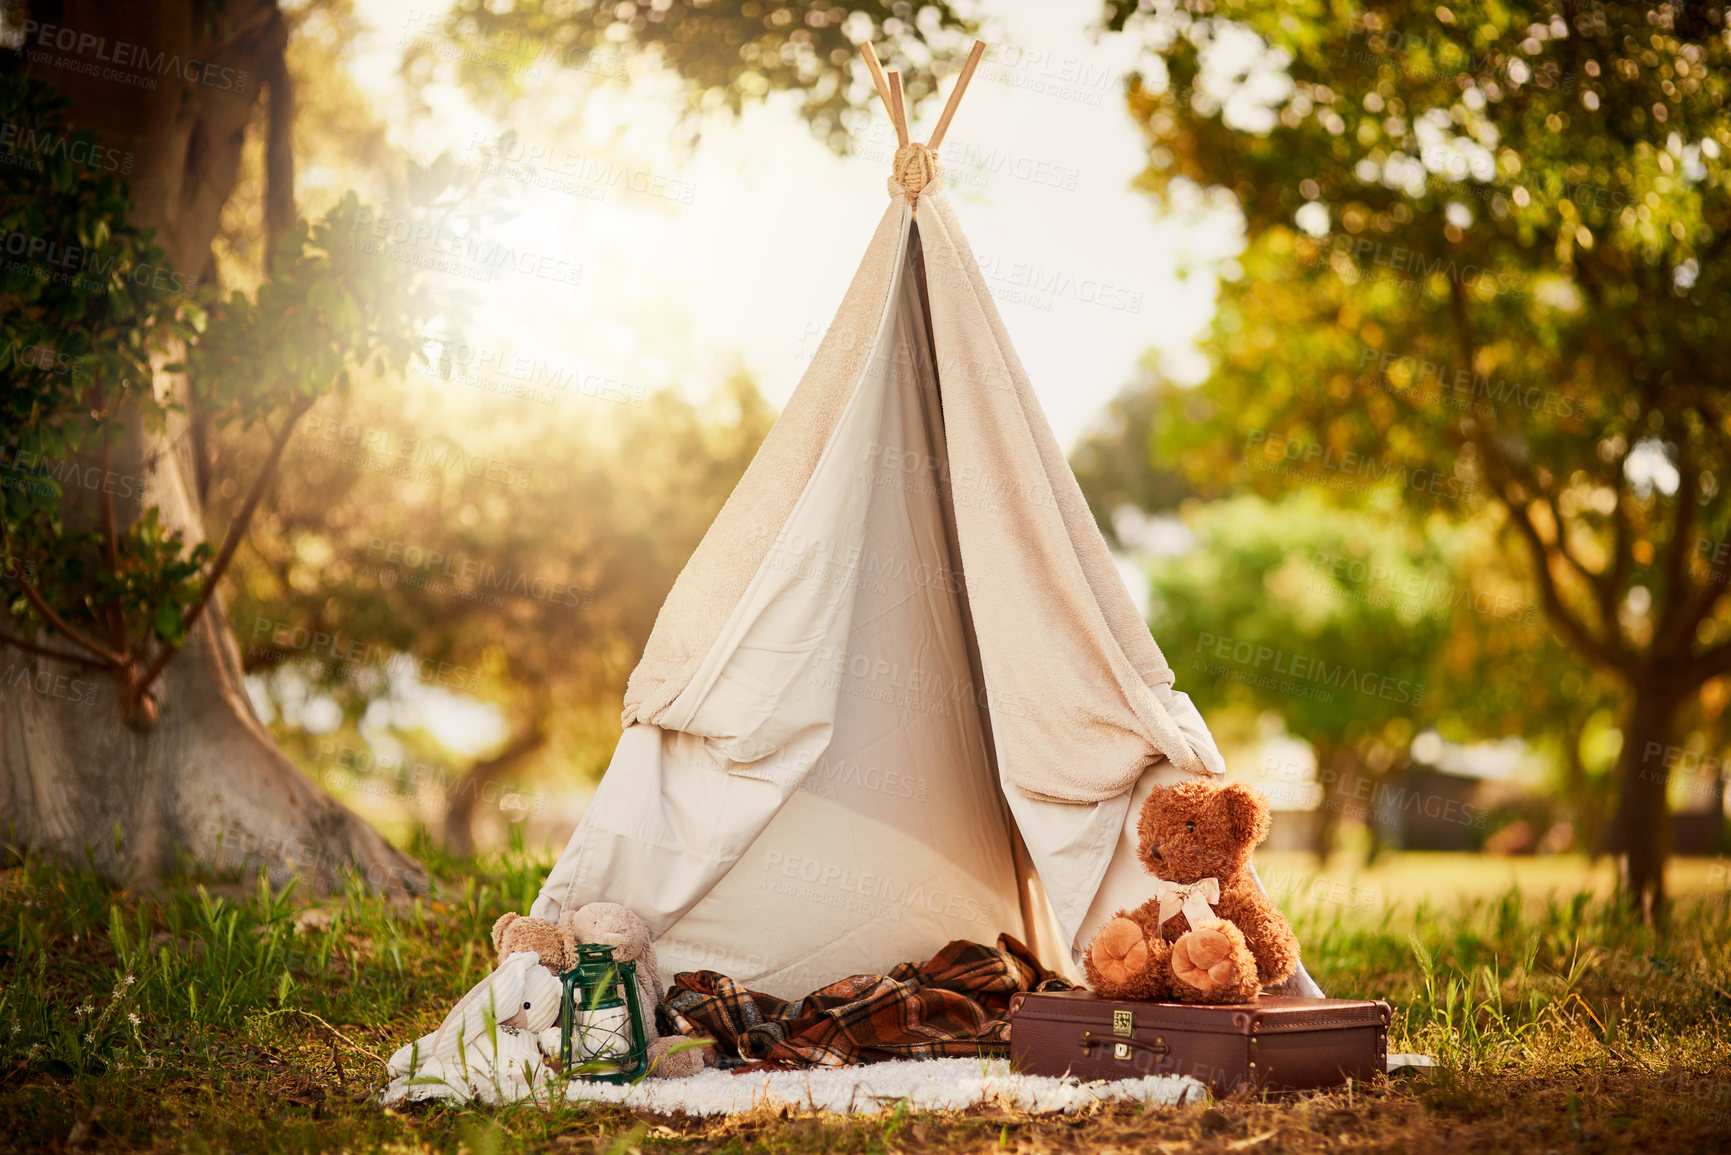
[{"x": 954, "y": 1005}]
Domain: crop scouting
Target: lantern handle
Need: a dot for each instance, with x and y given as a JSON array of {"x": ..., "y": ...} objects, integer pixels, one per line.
[
  {"x": 639, "y": 1040},
  {"x": 567, "y": 1014}
]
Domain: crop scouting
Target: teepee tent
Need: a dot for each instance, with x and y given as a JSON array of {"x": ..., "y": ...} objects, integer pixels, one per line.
[{"x": 899, "y": 695}]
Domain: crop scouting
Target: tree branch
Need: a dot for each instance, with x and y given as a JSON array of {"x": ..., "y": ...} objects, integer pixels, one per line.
[
  {"x": 460, "y": 805},
  {"x": 7, "y": 638},
  {"x": 75, "y": 636},
  {"x": 110, "y": 659},
  {"x": 1712, "y": 664},
  {"x": 1702, "y": 601},
  {"x": 279, "y": 185},
  {"x": 231, "y": 540},
  {"x": 1603, "y": 592},
  {"x": 1607, "y": 653},
  {"x": 1611, "y": 656}
]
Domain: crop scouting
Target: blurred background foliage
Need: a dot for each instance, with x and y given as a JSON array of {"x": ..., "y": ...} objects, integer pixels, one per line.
[
  {"x": 380, "y": 596},
  {"x": 1485, "y": 249}
]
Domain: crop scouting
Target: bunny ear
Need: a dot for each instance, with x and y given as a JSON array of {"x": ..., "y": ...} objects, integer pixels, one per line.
[
  {"x": 502, "y": 990},
  {"x": 510, "y": 979}
]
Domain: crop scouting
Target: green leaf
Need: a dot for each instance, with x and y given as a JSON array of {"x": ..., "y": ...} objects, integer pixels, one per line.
[{"x": 170, "y": 625}]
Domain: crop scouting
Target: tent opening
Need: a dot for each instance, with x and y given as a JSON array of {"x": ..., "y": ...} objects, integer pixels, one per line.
[{"x": 1040, "y": 932}]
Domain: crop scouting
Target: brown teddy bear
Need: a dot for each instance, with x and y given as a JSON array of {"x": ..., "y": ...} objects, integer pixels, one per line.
[
  {"x": 1209, "y": 935},
  {"x": 515, "y": 932},
  {"x": 670, "y": 1056}
]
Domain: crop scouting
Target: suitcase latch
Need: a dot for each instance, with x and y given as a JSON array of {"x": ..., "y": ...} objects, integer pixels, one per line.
[{"x": 1124, "y": 1024}]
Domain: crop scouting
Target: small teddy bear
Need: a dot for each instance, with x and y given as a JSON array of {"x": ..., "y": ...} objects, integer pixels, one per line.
[
  {"x": 1209, "y": 934},
  {"x": 670, "y": 1056},
  {"x": 515, "y": 932}
]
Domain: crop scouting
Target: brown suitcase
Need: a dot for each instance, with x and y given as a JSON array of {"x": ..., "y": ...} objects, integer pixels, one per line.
[{"x": 1275, "y": 1044}]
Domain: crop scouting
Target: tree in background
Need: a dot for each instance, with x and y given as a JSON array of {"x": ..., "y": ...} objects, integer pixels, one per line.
[
  {"x": 536, "y": 599},
  {"x": 1392, "y": 578},
  {"x": 534, "y": 588},
  {"x": 1485, "y": 243},
  {"x": 1115, "y": 464},
  {"x": 1341, "y": 621},
  {"x": 125, "y": 732}
]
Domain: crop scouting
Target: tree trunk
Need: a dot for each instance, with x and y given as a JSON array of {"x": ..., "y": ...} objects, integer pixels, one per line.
[
  {"x": 1384, "y": 767},
  {"x": 1718, "y": 811},
  {"x": 1588, "y": 812},
  {"x": 1334, "y": 768},
  {"x": 206, "y": 782},
  {"x": 460, "y": 807},
  {"x": 1643, "y": 832}
]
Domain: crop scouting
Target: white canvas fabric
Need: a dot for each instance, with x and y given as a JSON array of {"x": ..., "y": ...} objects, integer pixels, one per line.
[{"x": 902, "y": 645}]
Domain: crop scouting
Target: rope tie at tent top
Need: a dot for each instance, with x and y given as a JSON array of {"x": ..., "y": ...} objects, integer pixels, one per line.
[{"x": 916, "y": 165}]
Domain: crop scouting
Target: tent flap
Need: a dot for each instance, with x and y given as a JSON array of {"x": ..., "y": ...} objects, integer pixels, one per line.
[{"x": 1072, "y": 685}]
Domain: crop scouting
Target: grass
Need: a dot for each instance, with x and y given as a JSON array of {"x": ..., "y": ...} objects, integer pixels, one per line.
[{"x": 216, "y": 1015}]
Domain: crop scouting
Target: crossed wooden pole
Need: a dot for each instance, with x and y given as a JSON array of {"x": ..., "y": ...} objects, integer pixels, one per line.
[{"x": 889, "y": 86}]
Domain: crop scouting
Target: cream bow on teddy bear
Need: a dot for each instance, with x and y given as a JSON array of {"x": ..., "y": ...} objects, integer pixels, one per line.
[{"x": 1194, "y": 900}]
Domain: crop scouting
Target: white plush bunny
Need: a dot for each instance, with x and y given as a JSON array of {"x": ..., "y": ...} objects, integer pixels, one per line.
[{"x": 494, "y": 1045}]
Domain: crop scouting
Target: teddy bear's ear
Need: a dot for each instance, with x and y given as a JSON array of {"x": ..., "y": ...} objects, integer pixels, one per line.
[
  {"x": 505, "y": 920},
  {"x": 1246, "y": 814}
]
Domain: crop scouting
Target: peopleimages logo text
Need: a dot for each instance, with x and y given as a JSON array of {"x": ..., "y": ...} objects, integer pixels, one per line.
[
  {"x": 1306, "y": 670},
  {"x": 25, "y": 142},
  {"x": 125, "y": 56},
  {"x": 382, "y": 229}
]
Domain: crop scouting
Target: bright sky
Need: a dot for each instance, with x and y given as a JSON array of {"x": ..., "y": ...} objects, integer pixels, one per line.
[{"x": 747, "y": 257}]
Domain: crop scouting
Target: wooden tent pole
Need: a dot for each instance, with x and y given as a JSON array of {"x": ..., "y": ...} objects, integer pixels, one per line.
[
  {"x": 876, "y": 68},
  {"x": 898, "y": 108},
  {"x": 889, "y": 86},
  {"x": 974, "y": 54}
]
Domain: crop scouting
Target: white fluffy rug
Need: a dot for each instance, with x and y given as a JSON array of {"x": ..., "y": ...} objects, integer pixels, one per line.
[{"x": 930, "y": 1084}]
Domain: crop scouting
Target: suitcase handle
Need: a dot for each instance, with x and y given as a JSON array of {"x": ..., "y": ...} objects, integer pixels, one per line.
[{"x": 1090, "y": 1040}]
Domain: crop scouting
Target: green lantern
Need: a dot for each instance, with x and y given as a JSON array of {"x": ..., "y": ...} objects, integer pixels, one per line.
[{"x": 600, "y": 1032}]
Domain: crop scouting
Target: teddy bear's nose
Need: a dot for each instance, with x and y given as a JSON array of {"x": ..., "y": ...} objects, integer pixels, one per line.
[{"x": 1155, "y": 851}]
